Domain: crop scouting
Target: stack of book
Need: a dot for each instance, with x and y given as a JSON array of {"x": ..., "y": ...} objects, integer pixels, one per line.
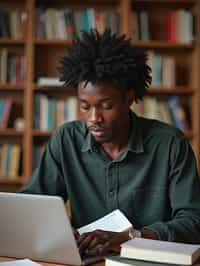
[{"x": 147, "y": 252}]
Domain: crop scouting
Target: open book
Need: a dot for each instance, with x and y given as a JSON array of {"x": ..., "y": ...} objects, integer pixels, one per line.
[
  {"x": 160, "y": 251},
  {"x": 115, "y": 221}
]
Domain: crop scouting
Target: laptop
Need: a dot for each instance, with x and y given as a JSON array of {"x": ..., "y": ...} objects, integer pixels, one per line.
[{"x": 37, "y": 227}]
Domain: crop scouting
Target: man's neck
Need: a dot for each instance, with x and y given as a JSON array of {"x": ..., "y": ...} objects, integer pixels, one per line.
[{"x": 119, "y": 145}]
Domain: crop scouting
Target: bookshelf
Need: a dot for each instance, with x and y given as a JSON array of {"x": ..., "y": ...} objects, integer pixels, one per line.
[{"x": 42, "y": 53}]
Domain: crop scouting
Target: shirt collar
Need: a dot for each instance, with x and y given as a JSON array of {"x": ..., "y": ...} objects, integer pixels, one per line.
[
  {"x": 88, "y": 144},
  {"x": 135, "y": 143}
]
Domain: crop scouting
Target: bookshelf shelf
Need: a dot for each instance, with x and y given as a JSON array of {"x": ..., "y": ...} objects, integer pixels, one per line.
[
  {"x": 162, "y": 44},
  {"x": 53, "y": 42},
  {"x": 164, "y": 2},
  {"x": 7, "y": 41},
  {"x": 39, "y": 133},
  {"x": 11, "y": 132},
  {"x": 17, "y": 181},
  {"x": 54, "y": 89},
  {"x": 177, "y": 90},
  {"x": 12, "y": 87}
]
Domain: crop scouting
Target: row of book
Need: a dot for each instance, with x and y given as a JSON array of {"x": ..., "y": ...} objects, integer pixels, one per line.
[
  {"x": 5, "y": 111},
  {"x": 12, "y": 67},
  {"x": 170, "y": 111},
  {"x": 66, "y": 24},
  {"x": 163, "y": 69},
  {"x": 10, "y": 161},
  {"x": 50, "y": 112},
  {"x": 177, "y": 26},
  {"x": 13, "y": 24}
]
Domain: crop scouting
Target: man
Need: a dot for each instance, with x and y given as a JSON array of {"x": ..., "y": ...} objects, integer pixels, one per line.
[{"x": 113, "y": 159}]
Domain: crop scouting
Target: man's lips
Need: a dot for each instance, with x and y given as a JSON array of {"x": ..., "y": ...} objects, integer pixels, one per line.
[{"x": 97, "y": 131}]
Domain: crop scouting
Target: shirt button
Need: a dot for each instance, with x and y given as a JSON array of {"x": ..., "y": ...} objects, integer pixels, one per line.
[{"x": 112, "y": 192}]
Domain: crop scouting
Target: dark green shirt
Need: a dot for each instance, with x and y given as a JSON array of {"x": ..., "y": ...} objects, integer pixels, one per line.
[{"x": 154, "y": 182}]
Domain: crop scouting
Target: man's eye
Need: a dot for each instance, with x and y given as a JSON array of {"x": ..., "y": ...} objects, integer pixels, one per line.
[
  {"x": 85, "y": 107},
  {"x": 107, "y": 106}
]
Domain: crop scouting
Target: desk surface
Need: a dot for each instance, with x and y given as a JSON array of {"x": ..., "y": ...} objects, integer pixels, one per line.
[
  {"x": 54, "y": 264},
  {"x": 51, "y": 264}
]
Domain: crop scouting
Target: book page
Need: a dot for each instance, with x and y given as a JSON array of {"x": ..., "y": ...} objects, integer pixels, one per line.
[{"x": 115, "y": 221}]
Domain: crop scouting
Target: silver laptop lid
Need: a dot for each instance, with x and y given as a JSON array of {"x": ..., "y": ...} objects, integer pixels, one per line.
[{"x": 37, "y": 227}]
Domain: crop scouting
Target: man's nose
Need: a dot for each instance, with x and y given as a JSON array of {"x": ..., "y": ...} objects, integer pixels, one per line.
[{"x": 95, "y": 116}]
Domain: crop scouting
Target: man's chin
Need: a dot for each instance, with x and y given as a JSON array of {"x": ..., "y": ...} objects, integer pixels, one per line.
[{"x": 101, "y": 139}]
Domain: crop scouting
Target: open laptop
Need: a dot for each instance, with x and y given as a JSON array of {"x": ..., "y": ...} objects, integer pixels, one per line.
[{"x": 37, "y": 227}]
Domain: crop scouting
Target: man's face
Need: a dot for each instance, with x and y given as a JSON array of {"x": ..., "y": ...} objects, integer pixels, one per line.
[{"x": 105, "y": 109}]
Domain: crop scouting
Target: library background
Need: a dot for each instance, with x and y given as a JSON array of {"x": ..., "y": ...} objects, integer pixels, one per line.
[{"x": 34, "y": 34}]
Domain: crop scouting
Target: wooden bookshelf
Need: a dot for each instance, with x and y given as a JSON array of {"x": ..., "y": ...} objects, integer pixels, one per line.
[
  {"x": 162, "y": 44},
  {"x": 11, "y": 132},
  {"x": 181, "y": 90},
  {"x": 7, "y": 41},
  {"x": 42, "y": 56}
]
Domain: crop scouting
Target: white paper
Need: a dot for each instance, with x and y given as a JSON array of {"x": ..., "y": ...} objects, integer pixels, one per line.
[
  {"x": 24, "y": 262},
  {"x": 115, "y": 221}
]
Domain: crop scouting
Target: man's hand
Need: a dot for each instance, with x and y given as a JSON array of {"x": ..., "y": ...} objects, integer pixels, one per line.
[
  {"x": 76, "y": 234},
  {"x": 100, "y": 242}
]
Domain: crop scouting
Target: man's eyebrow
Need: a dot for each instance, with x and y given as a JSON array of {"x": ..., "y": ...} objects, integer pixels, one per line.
[{"x": 101, "y": 100}]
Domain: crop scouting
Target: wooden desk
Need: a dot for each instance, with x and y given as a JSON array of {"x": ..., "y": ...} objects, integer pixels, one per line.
[
  {"x": 54, "y": 264},
  {"x": 51, "y": 264}
]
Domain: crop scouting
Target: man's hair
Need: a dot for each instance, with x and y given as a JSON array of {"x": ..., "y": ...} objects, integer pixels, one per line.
[{"x": 106, "y": 57}]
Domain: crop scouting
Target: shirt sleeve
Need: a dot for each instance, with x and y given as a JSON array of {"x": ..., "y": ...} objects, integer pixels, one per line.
[
  {"x": 48, "y": 178},
  {"x": 184, "y": 194}
]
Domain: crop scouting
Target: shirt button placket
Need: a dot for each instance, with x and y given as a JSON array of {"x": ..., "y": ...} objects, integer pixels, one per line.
[{"x": 112, "y": 192}]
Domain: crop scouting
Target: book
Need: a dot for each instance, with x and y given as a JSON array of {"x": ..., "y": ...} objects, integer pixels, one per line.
[
  {"x": 13, "y": 171},
  {"x": 115, "y": 221},
  {"x": 6, "y": 113},
  {"x": 49, "y": 81},
  {"x": 160, "y": 251},
  {"x": 120, "y": 261},
  {"x": 178, "y": 113}
]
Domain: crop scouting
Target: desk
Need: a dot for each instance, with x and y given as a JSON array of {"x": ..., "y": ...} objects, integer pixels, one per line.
[
  {"x": 94, "y": 264},
  {"x": 53, "y": 264}
]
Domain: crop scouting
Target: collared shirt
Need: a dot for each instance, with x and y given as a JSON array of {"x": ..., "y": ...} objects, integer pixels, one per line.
[{"x": 154, "y": 182}]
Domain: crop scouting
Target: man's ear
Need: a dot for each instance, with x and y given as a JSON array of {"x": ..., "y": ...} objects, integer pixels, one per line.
[{"x": 130, "y": 97}]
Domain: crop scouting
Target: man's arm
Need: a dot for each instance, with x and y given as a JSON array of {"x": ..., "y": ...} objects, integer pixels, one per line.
[
  {"x": 48, "y": 178},
  {"x": 184, "y": 195}
]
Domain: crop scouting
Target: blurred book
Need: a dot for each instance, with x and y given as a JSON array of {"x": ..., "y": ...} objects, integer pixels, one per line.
[
  {"x": 49, "y": 81},
  {"x": 120, "y": 261},
  {"x": 160, "y": 251}
]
